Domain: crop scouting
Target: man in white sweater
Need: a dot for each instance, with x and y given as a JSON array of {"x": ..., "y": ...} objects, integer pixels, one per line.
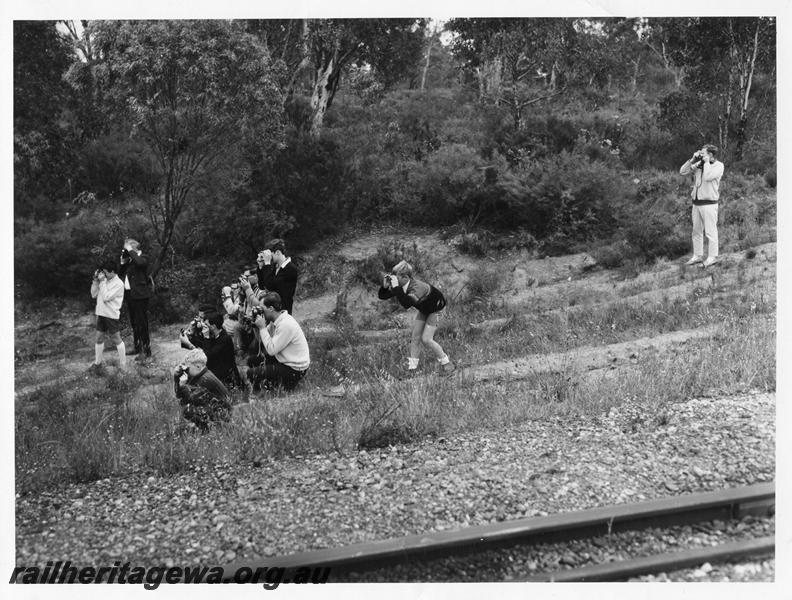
[
  {"x": 283, "y": 341},
  {"x": 706, "y": 171},
  {"x": 108, "y": 290}
]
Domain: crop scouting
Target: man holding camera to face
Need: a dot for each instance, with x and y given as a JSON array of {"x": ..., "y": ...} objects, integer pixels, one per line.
[
  {"x": 134, "y": 273},
  {"x": 108, "y": 290},
  {"x": 287, "y": 357},
  {"x": 276, "y": 272},
  {"x": 706, "y": 171},
  {"x": 203, "y": 397},
  {"x": 218, "y": 348}
]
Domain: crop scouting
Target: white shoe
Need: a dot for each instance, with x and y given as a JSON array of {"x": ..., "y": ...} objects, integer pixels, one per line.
[
  {"x": 711, "y": 260},
  {"x": 695, "y": 259}
]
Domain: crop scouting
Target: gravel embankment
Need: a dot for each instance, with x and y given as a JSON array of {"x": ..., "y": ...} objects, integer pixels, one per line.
[{"x": 223, "y": 513}]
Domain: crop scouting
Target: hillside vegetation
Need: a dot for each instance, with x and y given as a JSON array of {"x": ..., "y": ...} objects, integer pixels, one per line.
[{"x": 528, "y": 167}]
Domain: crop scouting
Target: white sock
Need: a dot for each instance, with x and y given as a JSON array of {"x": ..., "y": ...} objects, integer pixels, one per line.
[
  {"x": 121, "y": 348},
  {"x": 98, "y": 349},
  {"x": 445, "y": 360},
  {"x": 412, "y": 363}
]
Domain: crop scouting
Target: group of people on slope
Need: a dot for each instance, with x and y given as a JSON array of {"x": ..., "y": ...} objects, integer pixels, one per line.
[
  {"x": 257, "y": 328},
  {"x": 253, "y": 320}
]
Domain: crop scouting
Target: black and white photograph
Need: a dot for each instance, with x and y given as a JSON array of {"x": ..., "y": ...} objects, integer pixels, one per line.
[{"x": 350, "y": 300}]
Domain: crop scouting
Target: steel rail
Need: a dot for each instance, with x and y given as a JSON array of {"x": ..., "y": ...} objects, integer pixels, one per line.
[
  {"x": 661, "y": 563},
  {"x": 677, "y": 510}
]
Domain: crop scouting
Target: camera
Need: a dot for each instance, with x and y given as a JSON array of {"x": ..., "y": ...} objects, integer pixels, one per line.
[
  {"x": 256, "y": 312},
  {"x": 124, "y": 253}
]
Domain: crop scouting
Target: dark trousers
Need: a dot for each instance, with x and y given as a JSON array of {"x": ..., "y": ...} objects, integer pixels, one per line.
[
  {"x": 138, "y": 318},
  {"x": 271, "y": 374}
]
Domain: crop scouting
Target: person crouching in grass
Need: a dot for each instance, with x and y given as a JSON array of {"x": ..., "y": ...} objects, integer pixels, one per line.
[
  {"x": 108, "y": 290},
  {"x": 203, "y": 397},
  {"x": 286, "y": 355},
  {"x": 429, "y": 301}
]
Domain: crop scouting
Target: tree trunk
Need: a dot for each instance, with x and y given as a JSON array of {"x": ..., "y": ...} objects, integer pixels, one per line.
[
  {"x": 634, "y": 83},
  {"x": 321, "y": 96},
  {"x": 426, "y": 64},
  {"x": 745, "y": 93},
  {"x": 306, "y": 59}
]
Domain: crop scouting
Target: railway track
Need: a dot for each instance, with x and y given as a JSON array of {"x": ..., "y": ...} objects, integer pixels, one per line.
[{"x": 347, "y": 563}]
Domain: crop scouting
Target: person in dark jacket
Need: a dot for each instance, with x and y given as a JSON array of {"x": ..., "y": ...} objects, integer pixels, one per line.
[
  {"x": 203, "y": 397},
  {"x": 219, "y": 350},
  {"x": 135, "y": 275},
  {"x": 276, "y": 273},
  {"x": 428, "y": 300}
]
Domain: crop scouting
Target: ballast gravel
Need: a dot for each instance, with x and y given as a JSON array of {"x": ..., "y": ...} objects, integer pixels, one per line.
[{"x": 216, "y": 514}]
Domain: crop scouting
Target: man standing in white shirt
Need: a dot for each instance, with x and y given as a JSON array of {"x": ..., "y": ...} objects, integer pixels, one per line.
[
  {"x": 108, "y": 290},
  {"x": 287, "y": 356},
  {"x": 707, "y": 172}
]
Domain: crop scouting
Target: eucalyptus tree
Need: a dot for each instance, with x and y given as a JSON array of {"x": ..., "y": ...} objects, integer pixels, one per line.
[
  {"x": 199, "y": 94},
  {"x": 41, "y": 144},
  {"x": 515, "y": 62},
  {"x": 313, "y": 54}
]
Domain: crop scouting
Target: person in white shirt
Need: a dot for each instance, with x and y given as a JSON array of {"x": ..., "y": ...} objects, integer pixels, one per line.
[
  {"x": 287, "y": 355},
  {"x": 706, "y": 171},
  {"x": 108, "y": 290}
]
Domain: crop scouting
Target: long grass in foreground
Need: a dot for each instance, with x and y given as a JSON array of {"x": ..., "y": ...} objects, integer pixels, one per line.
[{"x": 96, "y": 431}]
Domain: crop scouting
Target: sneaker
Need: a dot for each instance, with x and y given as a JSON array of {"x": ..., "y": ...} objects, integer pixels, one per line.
[
  {"x": 97, "y": 369},
  {"x": 448, "y": 368},
  {"x": 711, "y": 260},
  {"x": 695, "y": 259},
  {"x": 132, "y": 351}
]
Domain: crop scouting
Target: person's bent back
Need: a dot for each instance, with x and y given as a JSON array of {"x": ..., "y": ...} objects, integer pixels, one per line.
[{"x": 203, "y": 397}]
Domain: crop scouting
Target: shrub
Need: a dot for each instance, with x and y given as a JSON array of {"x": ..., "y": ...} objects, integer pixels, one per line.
[
  {"x": 483, "y": 282},
  {"x": 57, "y": 259},
  {"x": 371, "y": 269},
  {"x": 657, "y": 235},
  {"x": 612, "y": 256},
  {"x": 436, "y": 190},
  {"x": 570, "y": 197},
  {"x": 770, "y": 178}
]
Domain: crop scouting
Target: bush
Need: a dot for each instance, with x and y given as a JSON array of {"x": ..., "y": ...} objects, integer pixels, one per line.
[
  {"x": 371, "y": 269},
  {"x": 435, "y": 191},
  {"x": 770, "y": 178},
  {"x": 612, "y": 256},
  {"x": 58, "y": 259},
  {"x": 570, "y": 197},
  {"x": 483, "y": 282},
  {"x": 657, "y": 235}
]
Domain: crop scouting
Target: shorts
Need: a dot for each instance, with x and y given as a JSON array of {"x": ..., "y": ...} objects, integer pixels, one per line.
[
  {"x": 431, "y": 319},
  {"x": 107, "y": 325}
]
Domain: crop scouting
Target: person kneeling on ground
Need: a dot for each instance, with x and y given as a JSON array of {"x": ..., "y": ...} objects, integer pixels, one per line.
[
  {"x": 219, "y": 350},
  {"x": 428, "y": 300},
  {"x": 108, "y": 290},
  {"x": 203, "y": 397},
  {"x": 190, "y": 337},
  {"x": 287, "y": 357}
]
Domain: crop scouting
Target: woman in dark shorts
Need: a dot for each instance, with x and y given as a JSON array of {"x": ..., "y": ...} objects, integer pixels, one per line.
[{"x": 428, "y": 300}]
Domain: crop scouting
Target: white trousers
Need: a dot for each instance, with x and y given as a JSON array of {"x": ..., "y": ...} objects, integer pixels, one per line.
[{"x": 705, "y": 223}]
